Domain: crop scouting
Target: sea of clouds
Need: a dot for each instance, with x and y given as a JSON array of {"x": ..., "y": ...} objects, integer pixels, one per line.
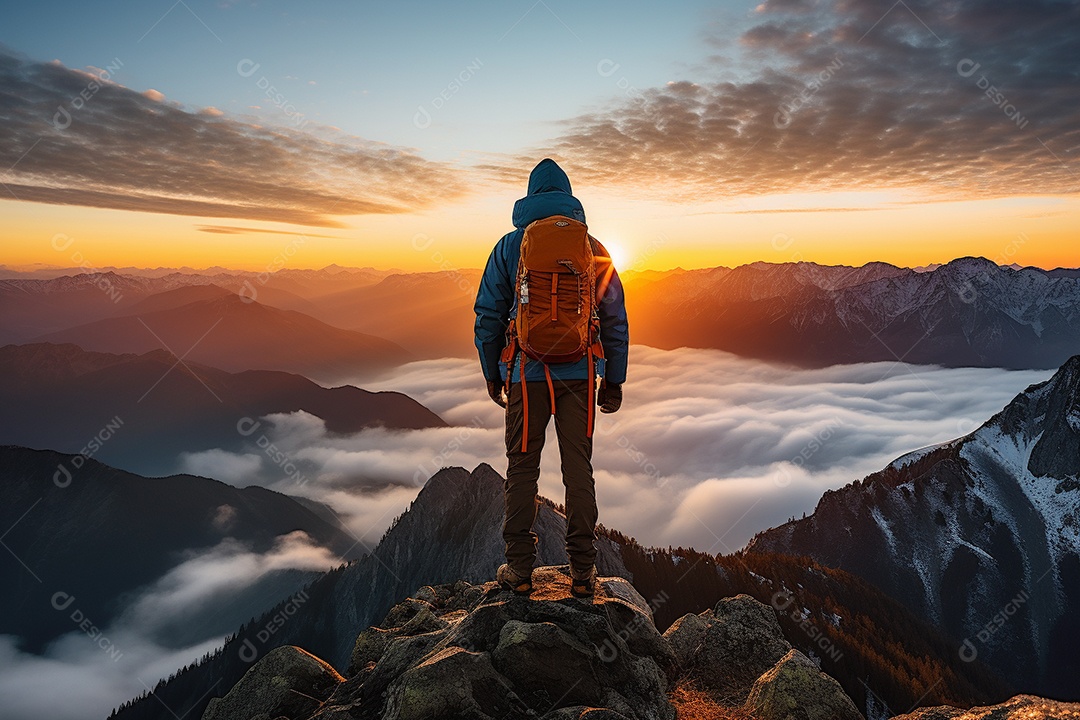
[{"x": 708, "y": 449}]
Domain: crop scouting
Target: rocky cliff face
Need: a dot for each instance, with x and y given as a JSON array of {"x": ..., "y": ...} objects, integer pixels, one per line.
[
  {"x": 437, "y": 541},
  {"x": 980, "y": 535},
  {"x": 480, "y": 652}
]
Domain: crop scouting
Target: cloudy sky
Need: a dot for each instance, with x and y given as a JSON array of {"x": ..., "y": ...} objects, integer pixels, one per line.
[{"x": 911, "y": 131}]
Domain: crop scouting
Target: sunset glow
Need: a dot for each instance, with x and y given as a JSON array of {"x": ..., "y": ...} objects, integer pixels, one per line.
[
  {"x": 688, "y": 160},
  {"x": 312, "y": 405}
]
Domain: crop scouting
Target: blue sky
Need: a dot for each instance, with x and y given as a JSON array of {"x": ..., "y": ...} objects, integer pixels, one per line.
[{"x": 366, "y": 67}]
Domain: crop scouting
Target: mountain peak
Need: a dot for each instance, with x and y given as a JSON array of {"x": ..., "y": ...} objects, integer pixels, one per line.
[
  {"x": 969, "y": 265},
  {"x": 452, "y": 482},
  {"x": 1047, "y": 414},
  {"x": 1055, "y": 415},
  {"x": 479, "y": 651}
]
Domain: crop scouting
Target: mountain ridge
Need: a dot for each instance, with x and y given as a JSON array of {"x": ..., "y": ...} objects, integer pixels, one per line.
[
  {"x": 168, "y": 407},
  {"x": 961, "y": 530},
  {"x": 234, "y": 334},
  {"x": 969, "y": 311}
]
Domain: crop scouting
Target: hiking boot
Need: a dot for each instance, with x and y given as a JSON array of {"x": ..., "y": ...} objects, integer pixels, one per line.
[
  {"x": 582, "y": 585},
  {"x": 515, "y": 583}
]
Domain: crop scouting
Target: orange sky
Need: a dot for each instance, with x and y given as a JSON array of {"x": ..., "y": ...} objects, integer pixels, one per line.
[
  {"x": 833, "y": 133},
  {"x": 894, "y": 228}
]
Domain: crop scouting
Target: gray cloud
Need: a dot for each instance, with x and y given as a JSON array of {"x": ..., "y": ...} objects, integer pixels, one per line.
[
  {"x": 851, "y": 96},
  {"x": 235, "y": 230},
  {"x": 203, "y": 580},
  {"x": 75, "y": 137}
]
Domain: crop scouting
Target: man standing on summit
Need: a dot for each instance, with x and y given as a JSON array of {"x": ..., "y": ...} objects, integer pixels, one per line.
[{"x": 550, "y": 306}]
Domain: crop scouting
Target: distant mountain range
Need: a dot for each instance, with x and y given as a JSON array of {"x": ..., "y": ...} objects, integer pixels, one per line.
[
  {"x": 102, "y": 536},
  {"x": 233, "y": 334},
  {"x": 62, "y": 397},
  {"x": 981, "y": 535},
  {"x": 430, "y": 314},
  {"x": 967, "y": 312}
]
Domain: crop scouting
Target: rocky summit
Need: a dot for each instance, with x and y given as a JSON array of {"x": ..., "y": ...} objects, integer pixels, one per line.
[
  {"x": 480, "y": 652},
  {"x": 1021, "y": 707}
]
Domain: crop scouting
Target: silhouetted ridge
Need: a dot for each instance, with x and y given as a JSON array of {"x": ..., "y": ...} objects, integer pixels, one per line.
[
  {"x": 168, "y": 408},
  {"x": 103, "y": 534}
]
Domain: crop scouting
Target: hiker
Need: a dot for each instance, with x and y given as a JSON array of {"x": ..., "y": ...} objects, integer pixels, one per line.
[{"x": 550, "y": 301}]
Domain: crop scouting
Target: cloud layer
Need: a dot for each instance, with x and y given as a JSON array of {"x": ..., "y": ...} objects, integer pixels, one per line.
[
  {"x": 967, "y": 98},
  {"x": 708, "y": 449},
  {"x": 76, "y": 137},
  {"x": 86, "y": 673}
]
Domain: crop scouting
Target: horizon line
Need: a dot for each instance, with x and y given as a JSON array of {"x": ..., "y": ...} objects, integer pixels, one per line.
[{"x": 32, "y": 268}]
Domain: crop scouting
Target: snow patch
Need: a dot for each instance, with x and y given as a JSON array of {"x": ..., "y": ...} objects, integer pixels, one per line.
[
  {"x": 1057, "y": 510},
  {"x": 1072, "y": 417},
  {"x": 885, "y": 529},
  {"x": 908, "y": 458}
]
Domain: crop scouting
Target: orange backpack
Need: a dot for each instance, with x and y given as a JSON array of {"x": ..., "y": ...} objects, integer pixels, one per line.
[{"x": 555, "y": 295}]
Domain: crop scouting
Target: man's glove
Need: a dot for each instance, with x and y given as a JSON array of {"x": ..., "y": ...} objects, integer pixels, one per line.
[
  {"x": 610, "y": 397},
  {"x": 495, "y": 391}
]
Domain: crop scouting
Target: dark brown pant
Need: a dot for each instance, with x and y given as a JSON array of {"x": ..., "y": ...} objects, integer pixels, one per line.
[{"x": 523, "y": 472}]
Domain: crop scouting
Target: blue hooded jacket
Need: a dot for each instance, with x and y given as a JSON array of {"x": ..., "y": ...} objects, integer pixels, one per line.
[{"x": 549, "y": 194}]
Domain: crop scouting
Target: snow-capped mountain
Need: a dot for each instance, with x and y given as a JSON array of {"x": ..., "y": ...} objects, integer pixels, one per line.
[
  {"x": 980, "y": 535},
  {"x": 968, "y": 312}
]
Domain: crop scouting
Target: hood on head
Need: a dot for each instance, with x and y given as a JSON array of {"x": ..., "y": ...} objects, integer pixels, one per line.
[
  {"x": 549, "y": 194},
  {"x": 548, "y": 176}
]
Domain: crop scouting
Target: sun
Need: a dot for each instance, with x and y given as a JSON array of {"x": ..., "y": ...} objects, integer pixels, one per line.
[{"x": 619, "y": 256}]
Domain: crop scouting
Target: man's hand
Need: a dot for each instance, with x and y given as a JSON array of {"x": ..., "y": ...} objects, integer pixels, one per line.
[
  {"x": 610, "y": 397},
  {"x": 495, "y": 391}
]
